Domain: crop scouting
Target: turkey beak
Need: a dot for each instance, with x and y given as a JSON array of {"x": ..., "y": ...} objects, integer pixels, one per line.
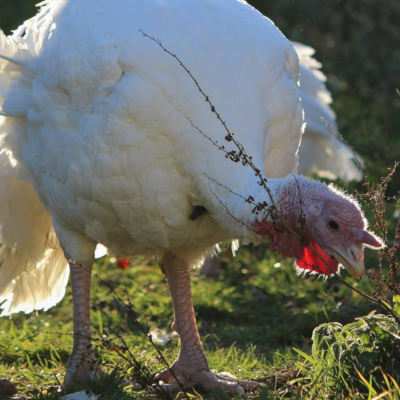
[{"x": 352, "y": 258}]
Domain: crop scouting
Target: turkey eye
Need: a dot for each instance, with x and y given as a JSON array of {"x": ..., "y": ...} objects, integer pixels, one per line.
[{"x": 333, "y": 225}]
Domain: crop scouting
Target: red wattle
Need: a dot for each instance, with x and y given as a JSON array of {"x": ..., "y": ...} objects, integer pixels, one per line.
[{"x": 315, "y": 259}]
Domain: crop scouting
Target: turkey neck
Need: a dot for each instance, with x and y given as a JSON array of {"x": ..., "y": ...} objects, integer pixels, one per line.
[{"x": 236, "y": 209}]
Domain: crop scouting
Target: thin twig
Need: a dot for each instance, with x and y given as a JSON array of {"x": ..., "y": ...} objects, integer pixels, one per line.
[
  {"x": 240, "y": 155},
  {"x": 229, "y": 212},
  {"x": 131, "y": 316},
  {"x": 374, "y": 300},
  {"x": 158, "y": 350}
]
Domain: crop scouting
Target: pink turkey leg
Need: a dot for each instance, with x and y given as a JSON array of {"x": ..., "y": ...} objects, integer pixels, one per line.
[
  {"x": 82, "y": 363},
  {"x": 191, "y": 367},
  {"x": 178, "y": 276}
]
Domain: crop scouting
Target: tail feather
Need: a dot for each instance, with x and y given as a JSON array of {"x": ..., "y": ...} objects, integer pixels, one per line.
[
  {"x": 329, "y": 158},
  {"x": 33, "y": 270},
  {"x": 7, "y": 45},
  {"x": 322, "y": 151}
]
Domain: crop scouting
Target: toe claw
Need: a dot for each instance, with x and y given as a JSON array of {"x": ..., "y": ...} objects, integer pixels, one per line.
[{"x": 170, "y": 389}]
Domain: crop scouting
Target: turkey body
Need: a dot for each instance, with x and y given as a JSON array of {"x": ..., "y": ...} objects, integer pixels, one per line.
[{"x": 110, "y": 144}]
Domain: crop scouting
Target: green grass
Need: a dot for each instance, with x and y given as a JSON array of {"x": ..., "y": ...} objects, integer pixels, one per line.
[{"x": 251, "y": 318}]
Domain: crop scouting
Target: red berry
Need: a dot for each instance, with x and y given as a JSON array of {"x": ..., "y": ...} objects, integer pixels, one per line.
[{"x": 123, "y": 263}]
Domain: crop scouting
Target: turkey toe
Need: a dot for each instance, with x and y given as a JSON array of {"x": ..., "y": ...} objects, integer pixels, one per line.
[{"x": 205, "y": 381}]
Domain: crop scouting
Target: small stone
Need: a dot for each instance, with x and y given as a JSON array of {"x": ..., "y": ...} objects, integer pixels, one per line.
[
  {"x": 160, "y": 337},
  {"x": 84, "y": 395},
  {"x": 7, "y": 388}
]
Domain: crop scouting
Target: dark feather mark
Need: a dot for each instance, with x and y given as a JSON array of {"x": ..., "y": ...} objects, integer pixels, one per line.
[{"x": 197, "y": 212}]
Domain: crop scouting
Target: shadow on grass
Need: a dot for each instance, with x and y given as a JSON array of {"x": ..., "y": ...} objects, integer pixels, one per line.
[{"x": 260, "y": 312}]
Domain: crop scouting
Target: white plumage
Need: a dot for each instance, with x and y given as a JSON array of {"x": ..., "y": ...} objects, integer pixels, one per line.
[
  {"x": 322, "y": 151},
  {"x": 98, "y": 144}
]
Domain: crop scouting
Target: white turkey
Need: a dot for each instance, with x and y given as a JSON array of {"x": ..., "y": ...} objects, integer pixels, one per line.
[{"x": 105, "y": 138}]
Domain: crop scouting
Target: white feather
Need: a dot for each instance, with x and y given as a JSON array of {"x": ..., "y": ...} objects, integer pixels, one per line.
[
  {"x": 323, "y": 151},
  {"x": 100, "y": 251},
  {"x": 33, "y": 269},
  {"x": 33, "y": 273}
]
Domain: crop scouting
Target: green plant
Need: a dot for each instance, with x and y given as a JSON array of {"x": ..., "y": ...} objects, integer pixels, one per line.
[{"x": 342, "y": 355}]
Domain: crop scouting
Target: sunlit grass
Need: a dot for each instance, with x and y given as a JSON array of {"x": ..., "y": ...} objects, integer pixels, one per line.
[{"x": 251, "y": 318}]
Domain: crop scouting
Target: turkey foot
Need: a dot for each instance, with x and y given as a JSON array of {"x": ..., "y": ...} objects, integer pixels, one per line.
[
  {"x": 191, "y": 368},
  {"x": 82, "y": 364},
  {"x": 180, "y": 377}
]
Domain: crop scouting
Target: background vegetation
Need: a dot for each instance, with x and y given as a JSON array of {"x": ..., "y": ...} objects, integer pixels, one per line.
[{"x": 257, "y": 311}]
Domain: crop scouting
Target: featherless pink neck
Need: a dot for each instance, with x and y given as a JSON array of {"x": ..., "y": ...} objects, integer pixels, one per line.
[{"x": 289, "y": 234}]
